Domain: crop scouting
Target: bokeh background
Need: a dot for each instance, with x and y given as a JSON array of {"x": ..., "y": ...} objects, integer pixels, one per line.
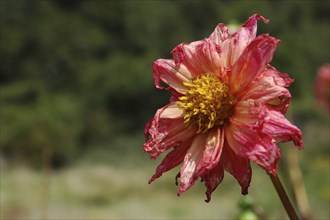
[{"x": 77, "y": 90}]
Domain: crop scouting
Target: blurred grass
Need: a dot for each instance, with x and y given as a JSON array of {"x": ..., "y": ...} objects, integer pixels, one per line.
[{"x": 104, "y": 185}]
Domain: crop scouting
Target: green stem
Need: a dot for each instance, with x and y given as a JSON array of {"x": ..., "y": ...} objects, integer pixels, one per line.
[{"x": 284, "y": 197}]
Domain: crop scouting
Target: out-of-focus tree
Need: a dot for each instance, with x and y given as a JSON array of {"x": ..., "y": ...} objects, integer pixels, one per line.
[{"x": 77, "y": 74}]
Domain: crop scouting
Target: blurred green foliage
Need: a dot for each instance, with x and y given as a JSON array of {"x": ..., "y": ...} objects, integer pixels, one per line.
[{"x": 76, "y": 75}]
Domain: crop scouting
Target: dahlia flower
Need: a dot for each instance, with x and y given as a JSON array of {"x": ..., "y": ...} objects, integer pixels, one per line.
[
  {"x": 226, "y": 108},
  {"x": 322, "y": 86}
]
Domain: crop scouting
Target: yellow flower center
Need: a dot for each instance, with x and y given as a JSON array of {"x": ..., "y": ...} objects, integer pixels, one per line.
[{"x": 207, "y": 102}]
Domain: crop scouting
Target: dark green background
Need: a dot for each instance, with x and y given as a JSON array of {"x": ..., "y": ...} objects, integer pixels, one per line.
[{"x": 77, "y": 76}]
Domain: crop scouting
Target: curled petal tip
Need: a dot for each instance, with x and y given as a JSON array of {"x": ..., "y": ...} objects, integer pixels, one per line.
[
  {"x": 257, "y": 16},
  {"x": 252, "y": 21},
  {"x": 244, "y": 192},
  {"x": 265, "y": 20}
]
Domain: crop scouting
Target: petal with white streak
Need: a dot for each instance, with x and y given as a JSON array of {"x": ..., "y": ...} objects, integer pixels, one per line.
[
  {"x": 252, "y": 62},
  {"x": 269, "y": 88},
  {"x": 166, "y": 130},
  {"x": 203, "y": 156},
  {"x": 170, "y": 73},
  {"x": 234, "y": 44},
  {"x": 280, "y": 129},
  {"x": 199, "y": 57},
  {"x": 245, "y": 137},
  {"x": 190, "y": 163},
  {"x": 172, "y": 159}
]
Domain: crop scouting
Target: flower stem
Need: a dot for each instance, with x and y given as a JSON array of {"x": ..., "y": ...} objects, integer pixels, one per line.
[{"x": 284, "y": 197}]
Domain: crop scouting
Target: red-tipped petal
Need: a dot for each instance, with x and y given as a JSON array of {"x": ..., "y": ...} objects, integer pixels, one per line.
[
  {"x": 279, "y": 128},
  {"x": 171, "y": 160},
  {"x": 237, "y": 166},
  {"x": 212, "y": 179}
]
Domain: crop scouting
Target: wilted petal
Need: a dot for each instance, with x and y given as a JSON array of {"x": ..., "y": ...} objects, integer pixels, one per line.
[
  {"x": 233, "y": 45},
  {"x": 212, "y": 151},
  {"x": 266, "y": 154},
  {"x": 190, "y": 163},
  {"x": 248, "y": 112},
  {"x": 237, "y": 166},
  {"x": 170, "y": 73},
  {"x": 212, "y": 179},
  {"x": 281, "y": 79},
  {"x": 197, "y": 164},
  {"x": 171, "y": 111},
  {"x": 166, "y": 130},
  {"x": 220, "y": 34},
  {"x": 278, "y": 127},
  {"x": 252, "y": 62},
  {"x": 245, "y": 137},
  {"x": 147, "y": 128},
  {"x": 247, "y": 144},
  {"x": 269, "y": 89},
  {"x": 172, "y": 159},
  {"x": 199, "y": 57}
]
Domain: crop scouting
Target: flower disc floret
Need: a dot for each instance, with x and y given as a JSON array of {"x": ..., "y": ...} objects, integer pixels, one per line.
[{"x": 206, "y": 103}]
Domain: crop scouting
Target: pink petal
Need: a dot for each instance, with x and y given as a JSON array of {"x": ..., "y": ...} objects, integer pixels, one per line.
[
  {"x": 220, "y": 34},
  {"x": 281, "y": 79},
  {"x": 280, "y": 129},
  {"x": 212, "y": 179},
  {"x": 252, "y": 62},
  {"x": 245, "y": 137},
  {"x": 191, "y": 160},
  {"x": 237, "y": 166},
  {"x": 202, "y": 157},
  {"x": 199, "y": 57},
  {"x": 170, "y": 73},
  {"x": 172, "y": 159},
  {"x": 248, "y": 112},
  {"x": 171, "y": 111},
  {"x": 233, "y": 45},
  {"x": 212, "y": 152},
  {"x": 147, "y": 128},
  {"x": 268, "y": 89},
  {"x": 266, "y": 154},
  {"x": 166, "y": 130}
]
